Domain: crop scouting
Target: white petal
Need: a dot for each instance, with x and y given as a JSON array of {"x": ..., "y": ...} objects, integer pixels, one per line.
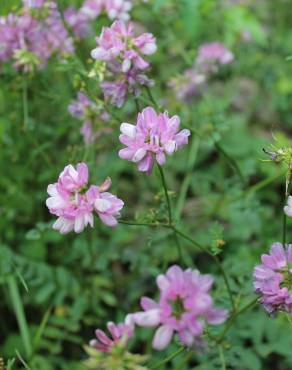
[
  {"x": 148, "y": 318},
  {"x": 102, "y": 205},
  {"x": 140, "y": 154},
  {"x": 128, "y": 129},
  {"x": 162, "y": 337},
  {"x": 170, "y": 146}
]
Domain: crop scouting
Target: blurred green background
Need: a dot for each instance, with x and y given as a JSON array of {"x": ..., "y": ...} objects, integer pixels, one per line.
[{"x": 72, "y": 284}]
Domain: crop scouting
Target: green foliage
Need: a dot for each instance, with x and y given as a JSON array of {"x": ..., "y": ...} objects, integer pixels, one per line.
[{"x": 70, "y": 285}]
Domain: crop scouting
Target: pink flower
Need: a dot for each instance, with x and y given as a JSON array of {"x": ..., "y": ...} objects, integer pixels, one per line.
[
  {"x": 272, "y": 279},
  {"x": 212, "y": 54},
  {"x": 118, "y": 9},
  {"x": 154, "y": 136},
  {"x": 74, "y": 203},
  {"x": 117, "y": 43},
  {"x": 124, "y": 57},
  {"x": 115, "y": 9},
  {"x": 92, "y": 8},
  {"x": 184, "y": 307},
  {"x": 105, "y": 343},
  {"x": 77, "y": 21},
  {"x": 33, "y": 36}
]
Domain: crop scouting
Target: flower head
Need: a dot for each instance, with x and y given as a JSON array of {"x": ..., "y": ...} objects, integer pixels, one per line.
[
  {"x": 154, "y": 136},
  {"x": 77, "y": 21},
  {"x": 184, "y": 307},
  {"x": 33, "y": 36},
  {"x": 123, "y": 54},
  {"x": 118, "y": 332},
  {"x": 273, "y": 279},
  {"x": 74, "y": 202},
  {"x": 210, "y": 55}
]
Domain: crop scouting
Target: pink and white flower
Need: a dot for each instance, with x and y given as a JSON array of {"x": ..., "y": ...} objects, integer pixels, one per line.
[
  {"x": 212, "y": 54},
  {"x": 184, "y": 307},
  {"x": 118, "y": 332},
  {"x": 273, "y": 279},
  {"x": 151, "y": 139},
  {"x": 124, "y": 54},
  {"x": 74, "y": 202}
]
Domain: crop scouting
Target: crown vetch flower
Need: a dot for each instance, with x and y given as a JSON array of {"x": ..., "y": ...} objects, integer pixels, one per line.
[
  {"x": 273, "y": 279},
  {"x": 118, "y": 332},
  {"x": 77, "y": 21},
  {"x": 74, "y": 203},
  {"x": 124, "y": 54},
  {"x": 118, "y": 44},
  {"x": 34, "y": 35},
  {"x": 184, "y": 306},
  {"x": 154, "y": 136},
  {"x": 212, "y": 54}
]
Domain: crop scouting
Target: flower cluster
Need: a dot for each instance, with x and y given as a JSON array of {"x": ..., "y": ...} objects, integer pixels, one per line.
[
  {"x": 33, "y": 36},
  {"x": 273, "y": 279},
  {"x": 123, "y": 54},
  {"x": 90, "y": 114},
  {"x": 74, "y": 202},
  {"x": 154, "y": 136},
  {"x": 184, "y": 306},
  {"x": 193, "y": 80}
]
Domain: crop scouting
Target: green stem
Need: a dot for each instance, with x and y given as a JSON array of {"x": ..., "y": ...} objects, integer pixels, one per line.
[
  {"x": 24, "y": 103},
  {"x": 284, "y": 228},
  {"x": 137, "y": 105},
  {"x": 19, "y": 313},
  {"x": 231, "y": 161},
  {"x": 222, "y": 358},
  {"x": 232, "y": 318},
  {"x": 151, "y": 97},
  {"x": 169, "y": 358},
  {"x": 186, "y": 182},
  {"x": 166, "y": 194},
  {"x": 215, "y": 258},
  {"x": 134, "y": 223}
]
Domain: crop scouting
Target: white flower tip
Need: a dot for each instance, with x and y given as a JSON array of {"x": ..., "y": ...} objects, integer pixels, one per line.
[{"x": 128, "y": 129}]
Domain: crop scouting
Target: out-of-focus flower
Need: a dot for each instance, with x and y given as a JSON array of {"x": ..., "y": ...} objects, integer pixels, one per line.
[
  {"x": 189, "y": 84},
  {"x": 210, "y": 55},
  {"x": 105, "y": 343},
  {"x": 118, "y": 9},
  {"x": 184, "y": 307},
  {"x": 273, "y": 279},
  {"x": 115, "y": 9},
  {"x": 124, "y": 56},
  {"x": 117, "y": 44},
  {"x": 288, "y": 207},
  {"x": 33, "y": 36},
  {"x": 78, "y": 22},
  {"x": 194, "y": 80},
  {"x": 73, "y": 202},
  {"x": 92, "y": 115},
  {"x": 154, "y": 136}
]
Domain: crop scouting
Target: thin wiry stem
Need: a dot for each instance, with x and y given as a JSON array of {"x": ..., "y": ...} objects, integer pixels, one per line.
[{"x": 169, "y": 358}]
